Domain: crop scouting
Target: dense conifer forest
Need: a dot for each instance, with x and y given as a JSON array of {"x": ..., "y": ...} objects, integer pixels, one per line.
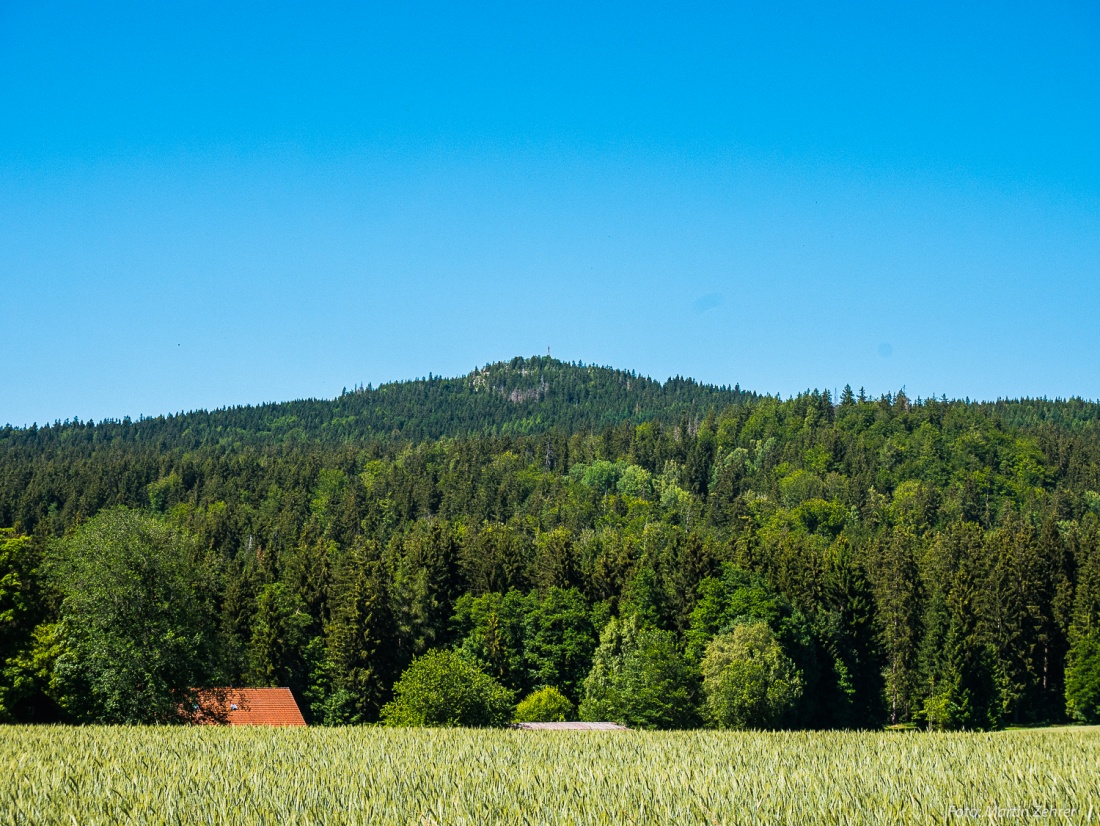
[{"x": 624, "y": 541}]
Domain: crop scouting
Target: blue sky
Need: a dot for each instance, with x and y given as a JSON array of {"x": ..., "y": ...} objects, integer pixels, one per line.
[{"x": 220, "y": 204}]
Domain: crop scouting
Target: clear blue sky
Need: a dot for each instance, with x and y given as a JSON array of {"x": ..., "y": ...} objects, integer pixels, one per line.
[{"x": 203, "y": 204}]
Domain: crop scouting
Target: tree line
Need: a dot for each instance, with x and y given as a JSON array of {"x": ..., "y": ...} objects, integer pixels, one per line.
[{"x": 704, "y": 557}]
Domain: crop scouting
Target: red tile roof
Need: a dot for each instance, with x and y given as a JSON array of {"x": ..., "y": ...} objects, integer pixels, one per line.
[{"x": 248, "y": 707}]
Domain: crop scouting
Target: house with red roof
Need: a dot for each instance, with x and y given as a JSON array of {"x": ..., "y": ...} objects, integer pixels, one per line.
[{"x": 247, "y": 707}]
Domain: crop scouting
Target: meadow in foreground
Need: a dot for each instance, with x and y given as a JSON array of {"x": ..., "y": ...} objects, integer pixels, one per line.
[{"x": 437, "y": 776}]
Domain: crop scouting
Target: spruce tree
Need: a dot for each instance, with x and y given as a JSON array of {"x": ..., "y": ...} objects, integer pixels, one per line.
[
  {"x": 896, "y": 584},
  {"x": 361, "y": 639}
]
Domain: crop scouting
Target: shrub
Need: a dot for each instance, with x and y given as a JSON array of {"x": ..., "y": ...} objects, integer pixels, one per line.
[
  {"x": 443, "y": 688},
  {"x": 747, "y": 679},
  {"x": 547, "y": 705}
]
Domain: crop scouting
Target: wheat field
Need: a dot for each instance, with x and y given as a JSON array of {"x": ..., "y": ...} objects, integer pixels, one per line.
[{"x": 421, "y": 776}]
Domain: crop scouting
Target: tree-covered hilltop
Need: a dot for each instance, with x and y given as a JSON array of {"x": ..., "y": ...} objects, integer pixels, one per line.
[
  {"x": 662, "y": 554},
  {"x": 521, "y": 396}
]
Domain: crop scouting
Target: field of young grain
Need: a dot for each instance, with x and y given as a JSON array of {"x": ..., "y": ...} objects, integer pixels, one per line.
[{"x": 380, "y": 776}]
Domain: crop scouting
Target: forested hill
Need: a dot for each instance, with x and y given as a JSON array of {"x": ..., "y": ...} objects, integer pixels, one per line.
[
  {"x": 630, "y": 543},
  {"x": 521, "y": 396}
]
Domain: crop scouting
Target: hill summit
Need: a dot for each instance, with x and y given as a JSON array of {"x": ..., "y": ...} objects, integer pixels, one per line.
[{"x": 523, "y": 395}]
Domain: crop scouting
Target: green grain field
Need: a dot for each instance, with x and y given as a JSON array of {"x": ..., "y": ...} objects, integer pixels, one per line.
[{"x": 418, "y": 776}]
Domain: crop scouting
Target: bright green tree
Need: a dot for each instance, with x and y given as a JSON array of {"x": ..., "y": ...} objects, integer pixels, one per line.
[
  {"x": 443, "y": 688},
  {"x": 748, "y": 681}
]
